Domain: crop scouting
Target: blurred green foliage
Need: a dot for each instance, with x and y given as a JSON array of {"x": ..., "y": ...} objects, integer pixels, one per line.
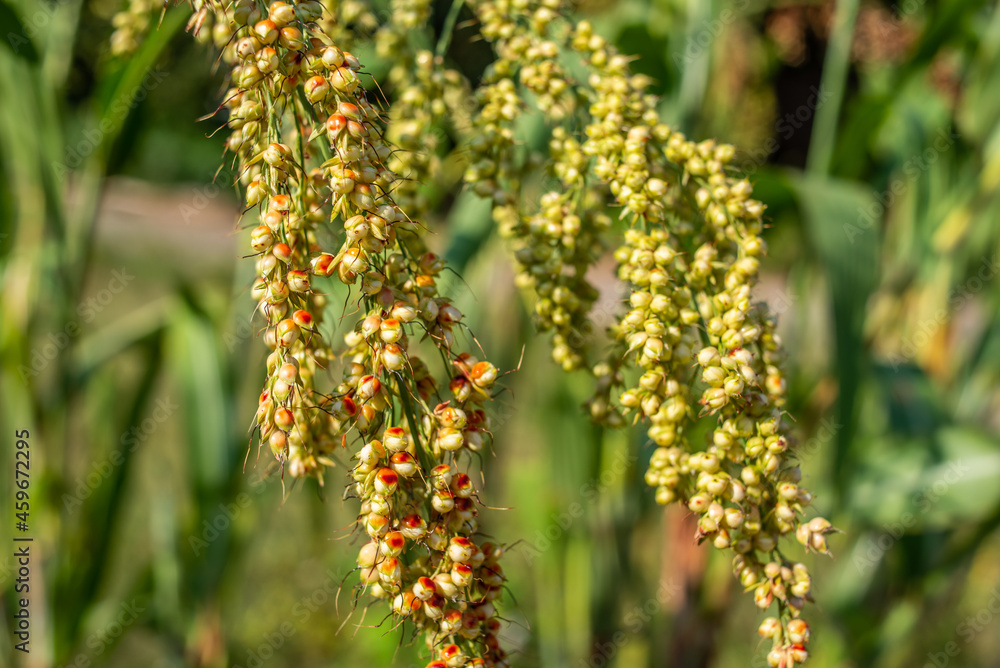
[{"x": 872, "y": 132}]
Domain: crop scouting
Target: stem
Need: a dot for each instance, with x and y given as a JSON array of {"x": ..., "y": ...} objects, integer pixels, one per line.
[
  {"x": 694, "y": 75},
  {"x": 835, "y": 67},
  {"x": 444, "y": 41}
]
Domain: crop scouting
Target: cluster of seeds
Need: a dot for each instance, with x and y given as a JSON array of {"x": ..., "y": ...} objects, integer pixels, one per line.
[
  {"x": 347, "y": 23},
  {"x": 131, "y": 25},
  {"x": 425, "y": 96},
  {"x": 554, "y": 248},
  {"x": 409, "y": 500},
  {"x": 336, "y": 200},
  {"x": 312, "y": 155},
  {"x": 692, "y": 345}
]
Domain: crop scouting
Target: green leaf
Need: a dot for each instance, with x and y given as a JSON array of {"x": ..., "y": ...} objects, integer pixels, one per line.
[
  {"x": 14, "y": 36},
  {"x": 118, "y": 96},
  {"x": 194, "y": 357},
  {"x": 842, "y": 221}
]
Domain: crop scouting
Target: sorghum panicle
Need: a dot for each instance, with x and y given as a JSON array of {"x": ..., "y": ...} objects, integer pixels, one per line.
[
  {"x": 691, "y": 344},
  {"x": 131, "y": 25},
  {"x": 315, "y": 164},
  {"x": 428, "y": 98}
]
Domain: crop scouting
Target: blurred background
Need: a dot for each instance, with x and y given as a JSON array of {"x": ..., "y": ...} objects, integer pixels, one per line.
[{"x": 870, "y": 132}]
